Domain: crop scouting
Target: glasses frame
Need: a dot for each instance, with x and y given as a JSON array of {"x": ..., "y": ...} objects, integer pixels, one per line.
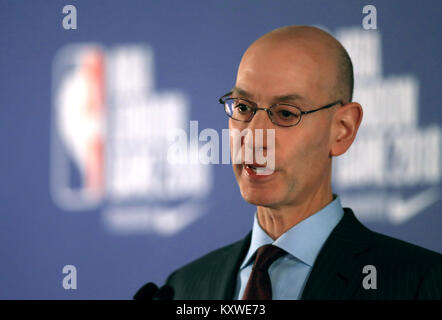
[{"x": 268, "y": 110}]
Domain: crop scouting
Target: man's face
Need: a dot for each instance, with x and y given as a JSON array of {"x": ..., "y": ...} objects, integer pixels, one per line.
[{"x": 302, "y": 164}]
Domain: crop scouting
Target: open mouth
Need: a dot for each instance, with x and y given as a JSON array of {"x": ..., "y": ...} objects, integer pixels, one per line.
[{"x": 256, "y": 170}]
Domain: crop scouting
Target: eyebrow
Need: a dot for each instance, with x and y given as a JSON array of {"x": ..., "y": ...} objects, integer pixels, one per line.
[
  {"x": 241, "y": 92},
  {"x": 282, "y": 98}
]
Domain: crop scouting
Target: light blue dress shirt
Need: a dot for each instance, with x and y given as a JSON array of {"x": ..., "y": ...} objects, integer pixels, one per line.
[{"x": 303, "y": 242}]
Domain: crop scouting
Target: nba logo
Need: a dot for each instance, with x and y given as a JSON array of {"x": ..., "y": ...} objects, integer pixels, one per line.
[
  {"x": 110, "y": 138},
  {"x": 78, "y": 128}
]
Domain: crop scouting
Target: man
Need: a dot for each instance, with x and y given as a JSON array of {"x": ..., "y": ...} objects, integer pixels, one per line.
[{"x": 298, "y": 81}]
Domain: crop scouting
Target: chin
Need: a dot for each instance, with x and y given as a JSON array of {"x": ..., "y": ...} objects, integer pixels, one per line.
[{"x": 263, "y": 199}]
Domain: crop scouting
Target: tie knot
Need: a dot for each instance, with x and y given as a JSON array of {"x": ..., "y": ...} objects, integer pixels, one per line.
[{"x": 266, "y": 255}]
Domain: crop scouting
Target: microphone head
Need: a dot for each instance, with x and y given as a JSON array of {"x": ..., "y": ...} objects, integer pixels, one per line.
[
  {"x": 164, "y": 293},
  {"x": 146, "y": 292}
]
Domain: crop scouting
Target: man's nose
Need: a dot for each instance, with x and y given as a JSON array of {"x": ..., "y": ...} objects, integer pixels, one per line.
[
  {"x": 258, "y": 127},
  {"x": 261, "y": 120}
]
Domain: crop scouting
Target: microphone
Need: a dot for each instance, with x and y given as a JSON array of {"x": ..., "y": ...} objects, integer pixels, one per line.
[
  {"x": 146, "y": 292},
  {"x": 150, "y": 291},
  {"x": 164, "y": 293}
]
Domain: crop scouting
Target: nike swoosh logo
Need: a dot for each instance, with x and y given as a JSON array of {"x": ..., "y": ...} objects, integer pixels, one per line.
[{"x": 400, "y": 210}]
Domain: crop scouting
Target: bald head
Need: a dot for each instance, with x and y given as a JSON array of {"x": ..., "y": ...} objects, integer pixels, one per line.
[{"x": 320, "y": 48}]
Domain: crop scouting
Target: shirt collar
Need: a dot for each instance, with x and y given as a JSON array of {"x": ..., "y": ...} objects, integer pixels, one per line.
[{"x": 304, "y": 240}]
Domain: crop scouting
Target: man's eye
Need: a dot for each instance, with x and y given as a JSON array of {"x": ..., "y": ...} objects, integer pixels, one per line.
[
  {"x": 242, "y": 108},
  {"x": 286, "y": 114}
]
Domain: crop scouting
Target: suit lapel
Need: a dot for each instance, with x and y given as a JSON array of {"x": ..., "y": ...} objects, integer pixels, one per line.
[
  {"x": 223, "y": 279},
  {"x": 337, "y": 272}
]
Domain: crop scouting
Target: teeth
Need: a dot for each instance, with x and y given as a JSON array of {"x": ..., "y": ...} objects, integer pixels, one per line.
[
  {"x": 260, "y": 170},
  {"x": 263, "y": 171}
]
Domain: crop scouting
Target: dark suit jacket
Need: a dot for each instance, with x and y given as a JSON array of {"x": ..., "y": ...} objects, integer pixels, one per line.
[{"x": 403, "y": 270}]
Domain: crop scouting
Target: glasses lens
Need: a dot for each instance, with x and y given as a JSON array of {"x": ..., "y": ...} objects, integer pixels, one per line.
[
  {"x": 285, "y": 115},
  {"x": 238, "y": 109}
]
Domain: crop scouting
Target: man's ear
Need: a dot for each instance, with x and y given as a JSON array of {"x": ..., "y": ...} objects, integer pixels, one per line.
[{"x": 345, "y": 125}]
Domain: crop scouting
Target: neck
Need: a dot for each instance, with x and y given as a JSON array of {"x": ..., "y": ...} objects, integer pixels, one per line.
[{"x": 277, "y": 220}]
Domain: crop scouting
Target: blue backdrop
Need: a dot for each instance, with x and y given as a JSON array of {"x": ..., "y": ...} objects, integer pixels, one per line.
[{"x": 85, "y": 115}]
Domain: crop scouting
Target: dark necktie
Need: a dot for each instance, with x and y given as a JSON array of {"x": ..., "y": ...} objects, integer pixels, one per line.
[{"x": 259, "y": 286}]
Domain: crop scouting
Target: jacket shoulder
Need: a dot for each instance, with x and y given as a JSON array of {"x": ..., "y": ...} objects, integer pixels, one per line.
[
  {"x": 405, "y": 270},
  {"x": 405, "y": 253},
  {"x": 206, "y": 262},
  {"x": 393, "y": 268},
  {"x": 210, "y": 276}
]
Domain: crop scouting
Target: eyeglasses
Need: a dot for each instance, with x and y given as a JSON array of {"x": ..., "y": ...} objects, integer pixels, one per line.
[{"x": 281, "y": 114}]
